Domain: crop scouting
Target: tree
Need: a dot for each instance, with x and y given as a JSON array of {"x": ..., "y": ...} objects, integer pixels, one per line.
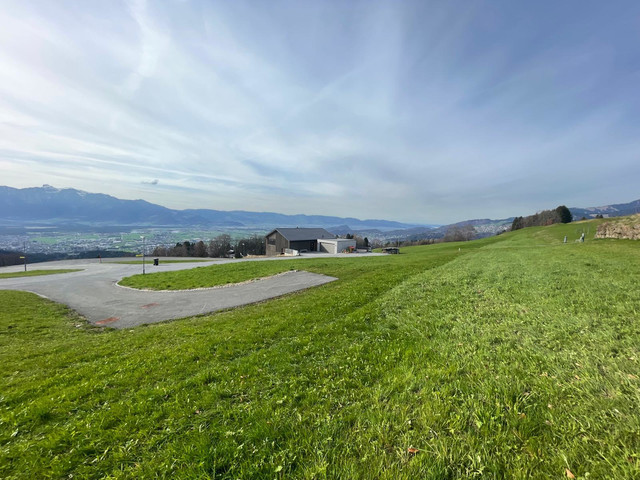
[
  {"x": 517, "y": 223},
  {"x": 359, "y": 241},
  {"x": 178, "y": 251},
  {"x": 159, "y": 251},
  {"x": 200, "y": 250},
  {"x": 565, "y": 214},
  {"x": 545, "y": 217},
  {"x": 220, "y": 246},
  {"x": 376, "y": 243},
  {"x": 460, "y": 233},
  {"x": 253, "y": 245}
]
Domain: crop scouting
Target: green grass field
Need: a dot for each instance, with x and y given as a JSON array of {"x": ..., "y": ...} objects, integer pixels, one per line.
[
  {"x": 35, "y": 273},
  {"x": 513, "y": 357},
  {"x": 212, "y": 276},
  {"x": 149, "y": 261}
]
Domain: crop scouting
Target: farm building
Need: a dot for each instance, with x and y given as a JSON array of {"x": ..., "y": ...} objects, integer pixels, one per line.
[
  {"x": 336, "y": 245},
  {"x": 281, "y": 240}
]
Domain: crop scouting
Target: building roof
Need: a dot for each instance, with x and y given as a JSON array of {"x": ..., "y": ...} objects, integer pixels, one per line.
[{"x": 301, "y": 234}]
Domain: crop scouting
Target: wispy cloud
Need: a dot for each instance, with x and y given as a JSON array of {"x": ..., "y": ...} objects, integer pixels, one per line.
[
  {"x": 407, "y": 110},
  {"x": 153, "y": 42}
]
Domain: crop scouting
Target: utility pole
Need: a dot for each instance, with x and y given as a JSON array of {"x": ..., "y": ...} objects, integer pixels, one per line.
[{"x": 24, "y": 250}]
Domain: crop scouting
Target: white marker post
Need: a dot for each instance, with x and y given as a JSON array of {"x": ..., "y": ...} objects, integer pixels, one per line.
[{"x": 143, "y": 254}]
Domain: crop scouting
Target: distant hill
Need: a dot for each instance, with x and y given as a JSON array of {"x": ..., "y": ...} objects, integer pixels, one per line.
[
  {"x": 68, "y": 207},
  {"x": 52, "y": 206},
  {"x": 617, "y": 210},
  {"x": 244, "y": 218},
  {"x": 483, "y": 227},
  {"x": 48, "y": 205}
]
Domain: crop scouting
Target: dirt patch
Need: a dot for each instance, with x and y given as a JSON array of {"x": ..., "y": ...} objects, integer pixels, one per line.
[
  {"x": 107, "y": 321},
  {"x": 623, "y": 227}
]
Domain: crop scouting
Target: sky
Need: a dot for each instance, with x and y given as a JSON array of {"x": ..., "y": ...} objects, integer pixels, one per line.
[{"x": 416, "y": 111}]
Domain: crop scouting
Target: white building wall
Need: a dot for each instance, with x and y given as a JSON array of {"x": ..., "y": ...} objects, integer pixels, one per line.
[{"x": 337, "y": 245}]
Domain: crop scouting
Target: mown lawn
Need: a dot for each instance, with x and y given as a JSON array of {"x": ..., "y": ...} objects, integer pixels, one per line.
[
  {"x": 213, "y": 275},
  {"x": 149, "y": 261},
  {"x": 515, "y": 357},
  {"x": 35, "y": 273}
]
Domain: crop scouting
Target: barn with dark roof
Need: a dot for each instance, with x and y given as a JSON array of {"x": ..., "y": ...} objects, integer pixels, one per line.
[{"x": 299, "y": 239}]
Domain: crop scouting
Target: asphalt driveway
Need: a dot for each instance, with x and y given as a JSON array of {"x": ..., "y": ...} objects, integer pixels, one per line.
[{"x": 94, "y": 294}]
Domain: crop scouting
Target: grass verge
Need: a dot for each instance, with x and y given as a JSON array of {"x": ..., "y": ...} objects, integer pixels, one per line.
[
  {"x": 35, "y": 273},
  {"x": 210, "y": 276},
  {"x": 149, "y": 261}
]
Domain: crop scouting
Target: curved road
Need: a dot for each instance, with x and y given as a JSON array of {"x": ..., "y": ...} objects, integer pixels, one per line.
[{"x": 94, "y": 294}]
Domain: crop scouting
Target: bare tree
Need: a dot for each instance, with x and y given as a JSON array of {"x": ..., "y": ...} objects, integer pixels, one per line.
[
  {"x": 200, "y": 250},
  {"x": 460, "y": 233},
  {"x": 159, "y": 251},
  {"x": 253, "y": 245},
  {"x": 220, "y": 246}
]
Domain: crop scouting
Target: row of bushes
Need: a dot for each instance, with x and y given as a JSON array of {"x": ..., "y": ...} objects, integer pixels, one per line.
[
  {"x": 546, "y": 217},
  {"x": 218, "y": 247}
]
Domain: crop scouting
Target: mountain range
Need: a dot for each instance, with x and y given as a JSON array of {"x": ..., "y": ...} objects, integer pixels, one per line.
[
  {"x": 616, "y": 210},
  {"x": 50, "y": 206},
  {"x": 47, "y": 205}
]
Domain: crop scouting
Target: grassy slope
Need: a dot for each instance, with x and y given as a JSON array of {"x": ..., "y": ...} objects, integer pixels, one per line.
[
  {"x": 515, "y": 358},
  {"x": 35, "y": 273}
]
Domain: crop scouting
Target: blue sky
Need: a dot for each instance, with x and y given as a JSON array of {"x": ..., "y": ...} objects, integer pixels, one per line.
[{"x": 426, "y": 111}]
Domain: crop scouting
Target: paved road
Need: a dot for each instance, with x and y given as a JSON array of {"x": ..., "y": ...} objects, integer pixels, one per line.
[{"x": 94, "y": 294}]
